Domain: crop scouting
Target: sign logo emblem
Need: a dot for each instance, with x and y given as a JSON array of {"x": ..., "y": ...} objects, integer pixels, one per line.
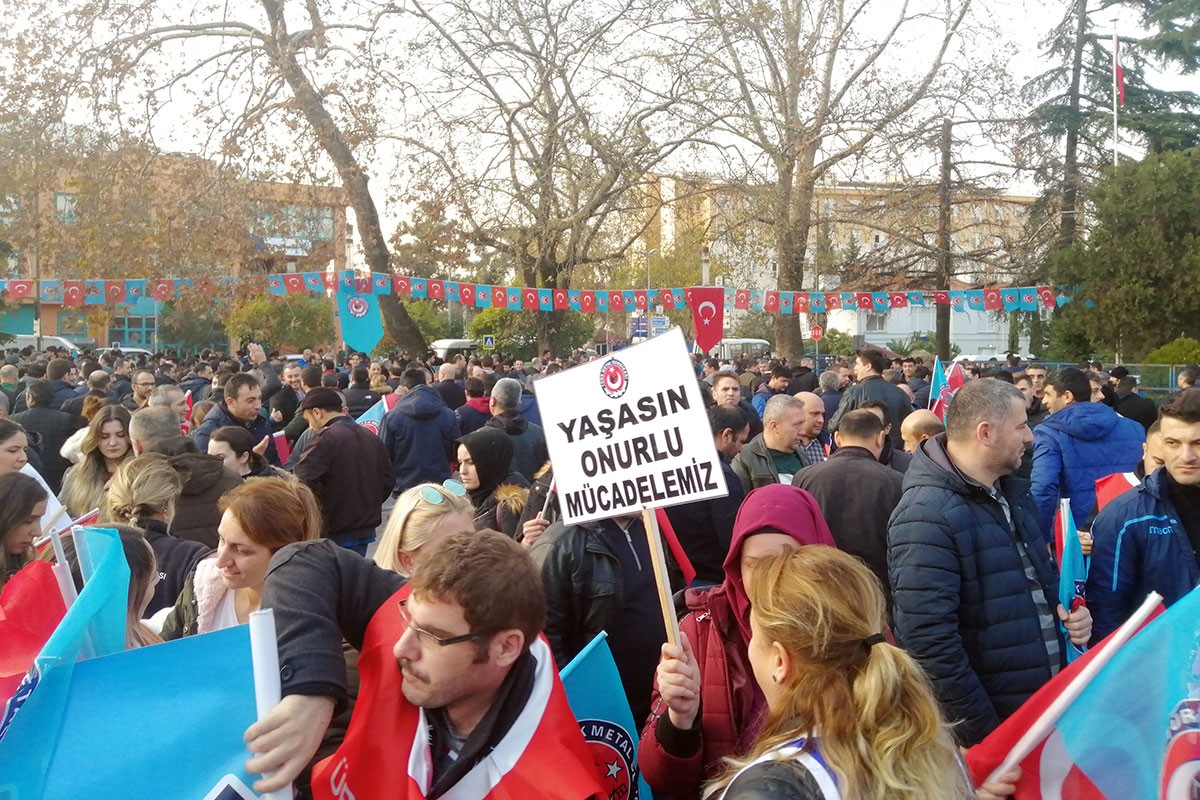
[
  {"x": 614, "y": 378},
  {"x": 613, "y": 752},
  {"x": 357, "y": 307}
]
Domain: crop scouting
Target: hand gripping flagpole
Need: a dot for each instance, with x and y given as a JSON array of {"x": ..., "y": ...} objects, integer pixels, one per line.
[
  {"x": 1042, "y": 728},
  {"x": 658, "y": 561},
  {"x": 264, "y": 653}
]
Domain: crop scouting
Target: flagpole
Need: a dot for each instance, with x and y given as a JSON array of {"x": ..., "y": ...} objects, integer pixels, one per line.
[{"x": 1115, "y": 92}]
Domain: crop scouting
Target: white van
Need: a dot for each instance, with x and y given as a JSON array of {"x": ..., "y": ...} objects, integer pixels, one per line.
[
  {"x": 21, "y": 340},
  {"x": 448, "y": 348},
  {"x": 733, "y": 348}
]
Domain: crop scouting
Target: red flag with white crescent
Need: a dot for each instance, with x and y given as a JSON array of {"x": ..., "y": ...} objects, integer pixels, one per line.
[{"x": 708, "y": 315}]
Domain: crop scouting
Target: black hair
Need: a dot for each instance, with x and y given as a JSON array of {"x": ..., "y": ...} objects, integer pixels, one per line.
[{"x": 1070, "y": 379}]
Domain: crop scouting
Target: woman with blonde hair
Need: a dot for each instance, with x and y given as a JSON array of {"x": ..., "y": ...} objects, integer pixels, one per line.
[
  {"x": 105, "y": 447},
  {"x": 849, "y": 715},
  {"x": 257, "y": 518},
  {"x": 422, "y": 514},
  {"x": 143, "y": 494}
]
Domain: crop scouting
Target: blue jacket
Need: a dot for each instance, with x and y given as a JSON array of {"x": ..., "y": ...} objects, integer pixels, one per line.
[
  {"x": 1072, "y": 449},
  {"x": 419, "y": 434},
  {"x": 1139, "y": 546},
  {"x": 962, "y": 605},
  {"x": 759, "y": 399},
  {"x": 219, "y": 416}
]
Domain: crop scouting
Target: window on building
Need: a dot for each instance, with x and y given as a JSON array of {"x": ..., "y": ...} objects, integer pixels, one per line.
[
  {"x": 998, "y": 211},
  {"x": 828, "y": 208},
  {"x": 132, "y": 331},
  {"x": 64, "y": 206},
  {"x": 976, "y": 241},
  {"x": 877, "y": 321},
  {"x": 977, "y": 212},
  {"x": 879, "y": 239}
]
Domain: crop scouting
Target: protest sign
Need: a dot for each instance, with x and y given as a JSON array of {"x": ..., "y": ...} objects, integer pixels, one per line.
[{"x": 628, "y": 432}]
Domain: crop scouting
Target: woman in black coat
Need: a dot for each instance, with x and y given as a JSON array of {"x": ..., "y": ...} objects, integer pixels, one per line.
[{"x": 485, "y": 468}]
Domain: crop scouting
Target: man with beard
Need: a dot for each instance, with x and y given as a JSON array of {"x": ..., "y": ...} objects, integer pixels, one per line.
[
  {"x": 459, "y": 696},
  {"x": 973, "y": 585}
]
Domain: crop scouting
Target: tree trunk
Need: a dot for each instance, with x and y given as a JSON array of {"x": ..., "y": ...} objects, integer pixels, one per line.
[
  {"x": 945, "y": 264},
  {"x": 396, "y": 319},
  {"x": 794, "y": 220},
  {"x": 1069, "y": 225}
]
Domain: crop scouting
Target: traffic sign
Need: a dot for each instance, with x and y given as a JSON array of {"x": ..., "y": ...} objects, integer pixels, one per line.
[
  {"x": 816, "y": 333},
  {"x": 489, "y": 342}
]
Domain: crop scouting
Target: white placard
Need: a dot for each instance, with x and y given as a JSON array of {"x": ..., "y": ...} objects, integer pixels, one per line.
[{"x": 629, "y": 431}]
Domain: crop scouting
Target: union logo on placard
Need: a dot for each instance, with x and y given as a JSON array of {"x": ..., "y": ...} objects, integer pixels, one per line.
[
  {"x": 613, "y": 752},
  {"x": 357, "y": 307},
  {"x": 1180, "y": 777},
  {"x": 614, "y": 378}
]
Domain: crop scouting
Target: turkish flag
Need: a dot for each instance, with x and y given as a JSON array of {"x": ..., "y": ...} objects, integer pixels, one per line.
[
  {"x": 331, "y": 280},
  {"x": 668, "y": 299},
  {"x": 31, "y": 607},
  {"x": 587, "y": 300},
  {"x": 941, "y": 298},
  {"x": 641, "y": 300},
  {"x": 898, "y": 300},
  {"x": 73, "y": 293},
  {"x": 401, "y": 285},
  {"x": 19, "y": 289},
  {"x": 708, "y": 315},
  {"x": 530, "y": 299},
  {"x": 772, "y": 301},
  {"x": 561, "y": 302},
  {"x": 162, "y": 290},
  {"x": 1044, "y": 292},
  {"x": 741, "y": 300},
  {"x": 294, "y": 284},
  {"x": 833, "y": 301},
  {"x": 616, "y": 301},
  {"x": 114, "y": 291},
  {"x": 801, "y": 303},
  {"x": 992, "y": 300},
  {"x": 863, "y": 300},
  {"x": 466, "y": 293},
  {"x": 437, "y": 290},
  {"x": 364, "y": 285}
]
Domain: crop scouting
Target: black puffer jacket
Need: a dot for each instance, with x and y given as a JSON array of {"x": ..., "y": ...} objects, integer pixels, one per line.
[
  {"x": 176, "y": 559},
  {"x": 962, "y": 605}
]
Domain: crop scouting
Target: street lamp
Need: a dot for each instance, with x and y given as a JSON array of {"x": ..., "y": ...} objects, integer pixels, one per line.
[{"x": 646, "y": 255}]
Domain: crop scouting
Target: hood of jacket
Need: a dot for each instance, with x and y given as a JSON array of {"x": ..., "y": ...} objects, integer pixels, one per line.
[
  {"x": 785, "y": 509},
  {"x": 421, "y": 402},
  {"x": 511, "y": 422},
  {"x": 481, "y": 404},
  {"x": 199, "y": 472},
  {"x": 1087, "y": 421},
  {"x": 492, "y": 452}
]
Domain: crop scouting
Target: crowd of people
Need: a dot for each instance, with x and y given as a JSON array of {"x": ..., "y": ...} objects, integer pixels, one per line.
[{"x": 876, "y": 592}]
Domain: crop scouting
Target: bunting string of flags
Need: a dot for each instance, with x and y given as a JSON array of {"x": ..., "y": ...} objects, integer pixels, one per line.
[{"x": 77, "y": 293}]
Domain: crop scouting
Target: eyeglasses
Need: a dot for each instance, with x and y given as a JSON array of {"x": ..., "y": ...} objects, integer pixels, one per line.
[
  {"x": 407, "y": 619},
  {"x": 430, "y": 494}
]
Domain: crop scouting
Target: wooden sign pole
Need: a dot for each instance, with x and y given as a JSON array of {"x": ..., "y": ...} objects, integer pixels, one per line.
[{"x": 658, "y": 561}]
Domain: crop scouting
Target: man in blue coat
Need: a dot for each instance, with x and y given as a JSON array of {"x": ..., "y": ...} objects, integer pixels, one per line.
[
  {"x": 1076, "y": 445},
  {"x": 974, "y": 590},
  {"x": 1148, "y": 538},
  {"x": 419, "y": 433}
]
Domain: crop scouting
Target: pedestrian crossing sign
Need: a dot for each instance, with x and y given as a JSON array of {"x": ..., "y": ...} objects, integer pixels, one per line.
[{"x": 489, "y": 342}]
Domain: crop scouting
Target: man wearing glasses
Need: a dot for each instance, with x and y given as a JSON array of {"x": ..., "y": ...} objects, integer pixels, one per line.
[
  {"x": 459, "y": 693},
  {"x": 143, "y": 386}
]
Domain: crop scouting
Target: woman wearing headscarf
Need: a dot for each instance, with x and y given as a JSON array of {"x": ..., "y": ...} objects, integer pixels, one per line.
[
  {"x": 497, "y": 492},
  {"x": 706, "y": 705}
]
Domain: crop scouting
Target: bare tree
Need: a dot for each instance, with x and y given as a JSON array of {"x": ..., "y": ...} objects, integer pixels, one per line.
[
  {"x": 543, "y": 127},
  {"x": 285, "y": 87},
  {"x": 810, "y": 85}
]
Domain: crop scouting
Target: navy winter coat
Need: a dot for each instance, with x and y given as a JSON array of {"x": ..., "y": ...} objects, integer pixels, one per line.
[
  {"x": 1072, "y": 449},
  {"x": 1139, "y": 546},
  {"x": 419, "y": 434},
  {"x": 961, "y": 603},
  {"x": 219, "y": 417}
]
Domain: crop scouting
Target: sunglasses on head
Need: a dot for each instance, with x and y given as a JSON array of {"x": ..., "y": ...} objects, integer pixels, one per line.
[{"x": 430, "y": 493}]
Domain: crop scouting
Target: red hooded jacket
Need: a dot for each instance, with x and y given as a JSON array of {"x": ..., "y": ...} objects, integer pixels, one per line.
[{"x": 718, "y": 628}]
